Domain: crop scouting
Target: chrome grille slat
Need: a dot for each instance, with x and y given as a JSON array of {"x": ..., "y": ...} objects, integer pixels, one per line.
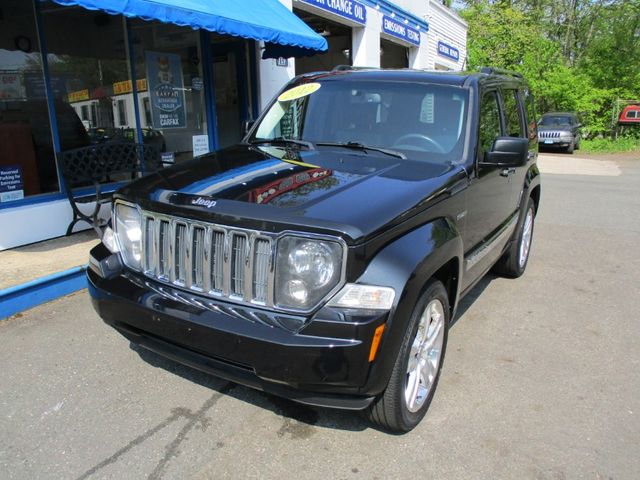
[
  {"x": 261, "y": 261},
  {"x": 197, "y": 257},
  {"x": 238, "y": 256},
  {"x": 217, "y": 261},
  {"x": 180, "y": 247},
  {"x": 211, "y": 259}
]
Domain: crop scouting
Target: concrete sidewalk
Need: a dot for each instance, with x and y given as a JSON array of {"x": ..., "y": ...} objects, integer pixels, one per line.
[{"x": 23, "y": 264}]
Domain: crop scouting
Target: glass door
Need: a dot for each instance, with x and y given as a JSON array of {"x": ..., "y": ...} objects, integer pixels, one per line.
[{"x": 230, "y": 80}]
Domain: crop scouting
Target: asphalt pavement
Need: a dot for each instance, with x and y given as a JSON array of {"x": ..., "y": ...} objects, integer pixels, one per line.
[{"x": 541, "y": 379}]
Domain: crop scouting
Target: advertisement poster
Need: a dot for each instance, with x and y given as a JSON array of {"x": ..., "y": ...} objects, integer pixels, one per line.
[
  {"x": 11, "y": 183},
  {"x": 10, "y": 86},
  {"x": 200, "y": 145},
  {"x": 166, "y": 90},
  {"x": 34, "y": 84}
]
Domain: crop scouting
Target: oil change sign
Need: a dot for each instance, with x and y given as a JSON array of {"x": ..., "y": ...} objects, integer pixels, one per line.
[
  {"x": 350, "y": 9},
  {"x": 11, "y": 184},
  {"x": 166, "y": 89}
]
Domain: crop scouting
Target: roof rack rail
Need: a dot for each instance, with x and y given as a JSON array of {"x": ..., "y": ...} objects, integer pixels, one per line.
[
  {"x": 346, "y": 68},
  {"x": 500, "y": 71}
]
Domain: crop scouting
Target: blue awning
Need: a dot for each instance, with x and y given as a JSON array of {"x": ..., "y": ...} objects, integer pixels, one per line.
[{"x": 266, "y": 20}]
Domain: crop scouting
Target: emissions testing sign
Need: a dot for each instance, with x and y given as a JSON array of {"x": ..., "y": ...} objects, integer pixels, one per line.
[{"x": 11, "y": 183}]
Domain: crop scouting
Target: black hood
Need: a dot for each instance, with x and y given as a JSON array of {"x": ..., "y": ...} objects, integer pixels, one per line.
[{"x": 274, "y": 188}]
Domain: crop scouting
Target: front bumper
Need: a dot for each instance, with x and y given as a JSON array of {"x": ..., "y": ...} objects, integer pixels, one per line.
[
  {"x": 324, "y": 361},
  {"x": 555, "y": 142}
]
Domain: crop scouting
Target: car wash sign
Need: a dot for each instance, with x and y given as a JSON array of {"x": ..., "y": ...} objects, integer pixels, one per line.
[
  {"x": 446, "y": 50},
  {"x": 166, "y": 90},
  {"x": 400, "y": 30},
  {"x": 350, "y": 9}
]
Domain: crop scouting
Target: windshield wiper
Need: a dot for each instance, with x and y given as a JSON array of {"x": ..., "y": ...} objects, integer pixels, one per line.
[
  {"x": 304, "y": 143},
  {"x": 364, "y": 148}
]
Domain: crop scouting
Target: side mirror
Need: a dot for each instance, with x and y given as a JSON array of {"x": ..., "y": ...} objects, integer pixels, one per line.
[
  {"x": 507, "y": 152},
  {"x": 246, "y": 126}
]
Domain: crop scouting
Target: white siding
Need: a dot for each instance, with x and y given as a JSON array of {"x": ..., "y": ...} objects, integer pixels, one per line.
[{"x": 448, "y": 27}]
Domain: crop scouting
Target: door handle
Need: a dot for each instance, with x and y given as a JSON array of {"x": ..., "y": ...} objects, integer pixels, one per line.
[{"x": 507, "y": 171}]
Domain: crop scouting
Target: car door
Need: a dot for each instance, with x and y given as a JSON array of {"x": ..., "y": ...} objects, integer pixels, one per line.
[{"x": 492, "y": 193}]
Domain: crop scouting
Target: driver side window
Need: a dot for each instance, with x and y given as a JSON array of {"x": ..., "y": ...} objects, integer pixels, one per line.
[{"x": 489, "y": 122}]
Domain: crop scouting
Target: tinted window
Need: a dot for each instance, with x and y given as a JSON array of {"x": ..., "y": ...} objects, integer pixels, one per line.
[
  {"x": 424, "y": 121},
  {"x": 489, "y": 121},
  {"x": 512, "y": 113}
]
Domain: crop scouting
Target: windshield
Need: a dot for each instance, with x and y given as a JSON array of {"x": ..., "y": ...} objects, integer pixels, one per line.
[
  {"x": 422, "y": 121},
  {"x": 555, "y": 121}
]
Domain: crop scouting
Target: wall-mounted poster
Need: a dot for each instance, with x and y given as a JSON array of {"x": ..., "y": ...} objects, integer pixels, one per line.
[
  {"x": 11, "y": 183},
  {"x": 166, "y": 89},
  {"x": 10, "y": 86}
]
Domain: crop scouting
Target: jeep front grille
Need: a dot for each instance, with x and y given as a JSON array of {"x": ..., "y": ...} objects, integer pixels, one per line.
[
  {"x": 218, "y": 261},
  {"x": 547, "y": 134}
]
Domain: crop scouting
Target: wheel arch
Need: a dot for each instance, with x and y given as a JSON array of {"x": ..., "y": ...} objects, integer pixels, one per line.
[
  {"x": 432, "y": 251},
  {"x": 535, "y": 196}
]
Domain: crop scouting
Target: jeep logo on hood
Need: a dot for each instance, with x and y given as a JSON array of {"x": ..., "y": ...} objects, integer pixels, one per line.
[{"x": 203, "y": 202}]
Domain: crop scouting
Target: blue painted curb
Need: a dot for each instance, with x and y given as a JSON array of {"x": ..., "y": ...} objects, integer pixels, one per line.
[{"x": 41, "y": 290}]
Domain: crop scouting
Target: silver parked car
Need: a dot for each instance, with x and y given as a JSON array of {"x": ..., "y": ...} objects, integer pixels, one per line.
[{"x": 559, "y": 130}]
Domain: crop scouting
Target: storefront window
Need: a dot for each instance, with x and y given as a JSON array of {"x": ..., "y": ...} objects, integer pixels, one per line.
[
  {"x": 90, "y": 78},
  {"x": 169, "y": 68},
  {"x": 27, "y": 161}
]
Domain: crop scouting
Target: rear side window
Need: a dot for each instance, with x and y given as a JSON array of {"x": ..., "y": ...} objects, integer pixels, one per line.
[
  {"x": 489, "y": 121},
  {"x": 512, "y": 113}
]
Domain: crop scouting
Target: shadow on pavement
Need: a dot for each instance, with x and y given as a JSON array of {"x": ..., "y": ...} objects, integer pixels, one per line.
[{"x": 305, "y": 416}]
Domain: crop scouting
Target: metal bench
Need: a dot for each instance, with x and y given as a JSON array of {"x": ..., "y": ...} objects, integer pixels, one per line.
[{"x": 97, "y": 164}]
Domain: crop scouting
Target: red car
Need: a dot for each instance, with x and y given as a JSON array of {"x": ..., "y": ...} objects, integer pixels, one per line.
[{"x": 630, "y": 115}]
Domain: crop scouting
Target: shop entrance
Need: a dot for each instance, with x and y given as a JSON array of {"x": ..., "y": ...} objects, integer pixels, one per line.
[
  {"x": 393, "y": 55},
  {"x": 339, "y": 39},
  {"x": 231, "y": 89}
]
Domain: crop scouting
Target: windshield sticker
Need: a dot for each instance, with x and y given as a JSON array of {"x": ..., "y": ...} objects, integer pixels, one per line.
[{"x": 299, "y": 92}]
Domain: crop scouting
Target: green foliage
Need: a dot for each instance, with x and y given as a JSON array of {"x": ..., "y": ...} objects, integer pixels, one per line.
[
  {"x": 609, "y": 145},
  {"x": 578, "y": 55}
]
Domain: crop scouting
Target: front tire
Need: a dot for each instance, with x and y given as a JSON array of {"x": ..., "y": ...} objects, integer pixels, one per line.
[
  {"x": 571, "y": 147},
  {"x": 417, "y": 368},
  {"x": 514, "y": 261}
]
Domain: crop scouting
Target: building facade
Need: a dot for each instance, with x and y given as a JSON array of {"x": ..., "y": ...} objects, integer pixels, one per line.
[{"x": 72, "y": 76}]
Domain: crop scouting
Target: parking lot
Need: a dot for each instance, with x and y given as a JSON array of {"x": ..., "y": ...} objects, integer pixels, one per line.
[{"x": 541, "y": 379}]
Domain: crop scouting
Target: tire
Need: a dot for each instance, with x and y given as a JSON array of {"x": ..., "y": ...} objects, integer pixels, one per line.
[
  {"x": 571, "y": 148},
  {"x": 577, "y": 147},
  {"x": 514, "y": 261},
  {"x": 400, "y": 408}
]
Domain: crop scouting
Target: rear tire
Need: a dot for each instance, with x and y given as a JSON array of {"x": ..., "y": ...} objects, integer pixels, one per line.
[
  {"x": 417, "y": 368},
  {"x": 514, "y": 261}
]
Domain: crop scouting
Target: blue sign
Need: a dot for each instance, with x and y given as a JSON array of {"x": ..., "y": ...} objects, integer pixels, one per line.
[
  {"x": 446, "y": 50},
  {"x": 345, "y": 8},
  {"x": 11, "y": 183},
  {"x": 166, "y": 90},
  {"x": 400, "y": 30}
]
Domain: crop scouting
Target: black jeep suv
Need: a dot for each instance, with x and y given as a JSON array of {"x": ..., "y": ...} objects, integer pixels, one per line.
[{"x": 323, "y": 258}]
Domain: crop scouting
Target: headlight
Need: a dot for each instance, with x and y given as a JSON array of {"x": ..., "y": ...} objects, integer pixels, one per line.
[
  {"x": 129, "y": 233},
  {"x": 109, "y": 240},
  {"x": 306, "y": 271}
]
